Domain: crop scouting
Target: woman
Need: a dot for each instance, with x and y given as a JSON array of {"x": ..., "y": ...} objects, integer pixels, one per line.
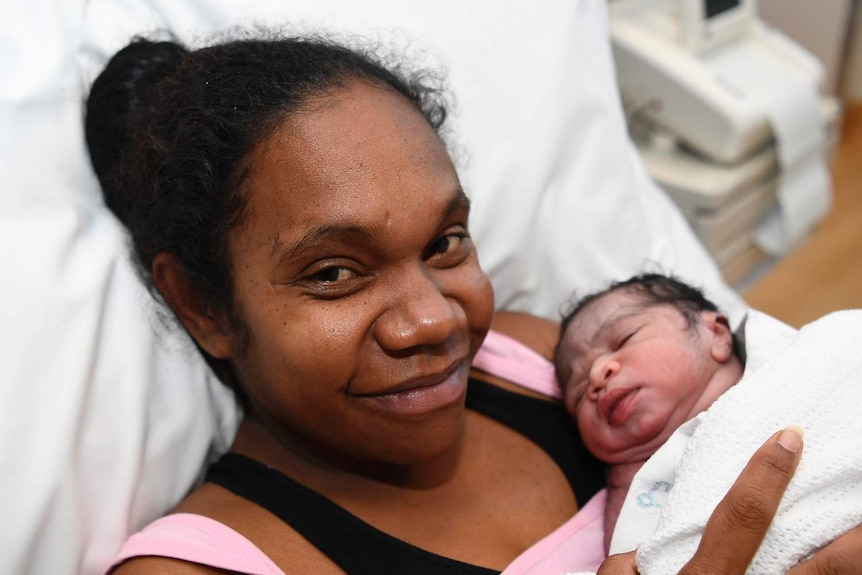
[{"x": 293, "y": 204}]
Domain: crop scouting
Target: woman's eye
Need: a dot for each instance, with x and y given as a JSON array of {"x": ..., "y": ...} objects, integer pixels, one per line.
[
  {"x": 332, "y": 279},
  {"x": 333, "y": 274},
  {"x": 444, "y": 244},
  {"x": 450, "y": 243}
]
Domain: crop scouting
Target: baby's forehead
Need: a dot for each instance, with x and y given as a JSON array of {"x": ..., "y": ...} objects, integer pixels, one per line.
[
  {"x": 594, "y": 322},
  {"x": 607, "y": 309}
]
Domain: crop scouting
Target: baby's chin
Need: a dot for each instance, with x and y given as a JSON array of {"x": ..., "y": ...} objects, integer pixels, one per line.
[{"x": 632, "y": 450}]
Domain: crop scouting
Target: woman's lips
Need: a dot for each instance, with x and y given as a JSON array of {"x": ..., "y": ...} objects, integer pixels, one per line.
[
  {"x": 616, "y": 405},
  {"x": 423, "y": 394}
]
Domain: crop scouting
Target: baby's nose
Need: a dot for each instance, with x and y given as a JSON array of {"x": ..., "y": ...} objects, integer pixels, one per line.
[{"x": 601, "y": 372}]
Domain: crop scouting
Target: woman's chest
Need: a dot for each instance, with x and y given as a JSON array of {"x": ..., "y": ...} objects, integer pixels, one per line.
[
  {"x": 504, "y": 496},
  {"x": 501, "y": 495}
]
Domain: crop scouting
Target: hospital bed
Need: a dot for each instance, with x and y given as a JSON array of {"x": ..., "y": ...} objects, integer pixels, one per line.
[{"x": 107, "y": 413}]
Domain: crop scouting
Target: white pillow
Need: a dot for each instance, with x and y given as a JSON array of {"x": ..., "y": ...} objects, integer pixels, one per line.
[
  {"x": 105, "y": 420},
  {"x": 561, "y": 200},
  {"x": 108, "y": 416}
]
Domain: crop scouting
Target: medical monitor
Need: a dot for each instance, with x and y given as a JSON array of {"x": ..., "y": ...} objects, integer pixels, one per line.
[
  {"x": 707, "y": 24},
  {"x": 715, "y": 7}
]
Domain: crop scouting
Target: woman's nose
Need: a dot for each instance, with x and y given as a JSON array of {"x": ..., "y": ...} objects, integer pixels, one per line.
[
  {"x": 419, "y": 314},
  {"x": 602, "y": 370}
]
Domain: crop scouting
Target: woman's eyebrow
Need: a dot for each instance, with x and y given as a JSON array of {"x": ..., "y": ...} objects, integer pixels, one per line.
[
  {"x": 347, "y": 233},
  {"x": 351, "y": 233},
  {"x": 459, "y": 201}
]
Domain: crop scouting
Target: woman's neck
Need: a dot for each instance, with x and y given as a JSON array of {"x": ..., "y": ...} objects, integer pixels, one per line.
[{"x": 293, "y": 456}]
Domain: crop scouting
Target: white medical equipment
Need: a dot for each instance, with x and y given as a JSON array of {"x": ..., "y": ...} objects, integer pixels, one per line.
[{"x": 728, "y": 120}]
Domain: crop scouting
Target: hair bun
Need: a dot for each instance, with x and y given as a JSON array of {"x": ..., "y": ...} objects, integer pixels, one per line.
[{"x": 117, "y": 96}]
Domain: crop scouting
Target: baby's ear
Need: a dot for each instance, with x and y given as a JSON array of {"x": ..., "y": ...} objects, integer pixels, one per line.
[
  {"x": 722, "y": 336},
  {"x": 209, "y": 330}
]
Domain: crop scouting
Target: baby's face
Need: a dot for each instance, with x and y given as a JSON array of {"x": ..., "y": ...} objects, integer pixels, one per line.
[{"x": 632, "y": 372}]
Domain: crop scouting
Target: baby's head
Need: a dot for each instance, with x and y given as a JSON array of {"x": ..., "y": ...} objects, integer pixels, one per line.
[{"x": 639, "y": 359}]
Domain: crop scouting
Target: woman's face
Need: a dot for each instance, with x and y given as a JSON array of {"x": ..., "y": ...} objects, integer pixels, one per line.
[{"x": 357, "y": 282}]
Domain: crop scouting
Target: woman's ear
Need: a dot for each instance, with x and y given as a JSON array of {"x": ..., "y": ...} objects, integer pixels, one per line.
[
  {"x": 210, "y": 330},
  {"x": 722, "y": 336}
]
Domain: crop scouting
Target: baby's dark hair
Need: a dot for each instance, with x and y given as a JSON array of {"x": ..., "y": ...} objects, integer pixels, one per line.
[
  {"x": 170, "y": 132},
  {"x": 655, "y": 289}
]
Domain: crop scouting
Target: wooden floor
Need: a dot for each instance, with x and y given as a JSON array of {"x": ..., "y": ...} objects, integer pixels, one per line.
[{"x": 825, "y": 273}]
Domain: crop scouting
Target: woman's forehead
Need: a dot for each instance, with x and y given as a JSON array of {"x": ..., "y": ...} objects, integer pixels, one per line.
[
  {"x": 356, "y": 158},
  {"x": 341, "y": 131}
]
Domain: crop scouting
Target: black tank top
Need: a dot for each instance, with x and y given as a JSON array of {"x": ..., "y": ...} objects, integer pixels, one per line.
[{"x": 360, "y": 549}]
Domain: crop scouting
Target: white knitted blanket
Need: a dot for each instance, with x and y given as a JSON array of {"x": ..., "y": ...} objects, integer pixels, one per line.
[{"x": 815, "y": 381}]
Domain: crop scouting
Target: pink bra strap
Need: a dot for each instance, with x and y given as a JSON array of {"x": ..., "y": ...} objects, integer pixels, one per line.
[
  {"x": 508, "y": 358},
  {"x": 198, "y": 539}
]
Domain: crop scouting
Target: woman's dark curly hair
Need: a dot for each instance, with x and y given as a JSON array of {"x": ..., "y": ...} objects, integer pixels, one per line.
[{"x": 170, "y": 129}]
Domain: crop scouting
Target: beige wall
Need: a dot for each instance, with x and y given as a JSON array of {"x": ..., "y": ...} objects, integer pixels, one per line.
[
  {"x": 853, "y": 77},
  {"x": 818, "y": 25}
]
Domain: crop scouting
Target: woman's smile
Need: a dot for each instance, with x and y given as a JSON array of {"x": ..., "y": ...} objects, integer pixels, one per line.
[{"x": 424, "y": 393}]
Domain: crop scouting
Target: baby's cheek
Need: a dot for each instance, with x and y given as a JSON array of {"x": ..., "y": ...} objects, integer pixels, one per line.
[
  {"x": 574, "y": 400},
  {"x": 590, "y": 431},
  {"x": 569, "y": 401}
]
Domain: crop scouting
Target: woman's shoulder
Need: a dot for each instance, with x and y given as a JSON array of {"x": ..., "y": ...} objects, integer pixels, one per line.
[
  {"x": 149, "y": 565},
  {"x": 256, "y": 531},
  {"x": 213, "y": 531},
  {"x": 516, "y": 355},
  {"x": 537, "y": 333},
  {"x": 191, "y": 543}
]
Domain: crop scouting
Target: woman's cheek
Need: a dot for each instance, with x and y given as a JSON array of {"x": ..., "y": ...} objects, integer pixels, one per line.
[{"x": 481, "y": 310}]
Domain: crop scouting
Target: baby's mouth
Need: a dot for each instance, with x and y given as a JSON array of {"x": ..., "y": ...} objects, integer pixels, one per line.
[{"x": 616, "y": 405}]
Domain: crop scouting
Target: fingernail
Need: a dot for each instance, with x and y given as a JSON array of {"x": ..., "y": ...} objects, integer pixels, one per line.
[{"x": 791, "y": 438}]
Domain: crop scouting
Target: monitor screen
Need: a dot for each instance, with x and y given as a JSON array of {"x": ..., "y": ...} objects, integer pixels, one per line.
[{"x": 713, "y": 8}]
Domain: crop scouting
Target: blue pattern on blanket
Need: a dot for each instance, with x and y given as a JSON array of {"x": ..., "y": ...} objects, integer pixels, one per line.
[{"x": 656, "y": 496}]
